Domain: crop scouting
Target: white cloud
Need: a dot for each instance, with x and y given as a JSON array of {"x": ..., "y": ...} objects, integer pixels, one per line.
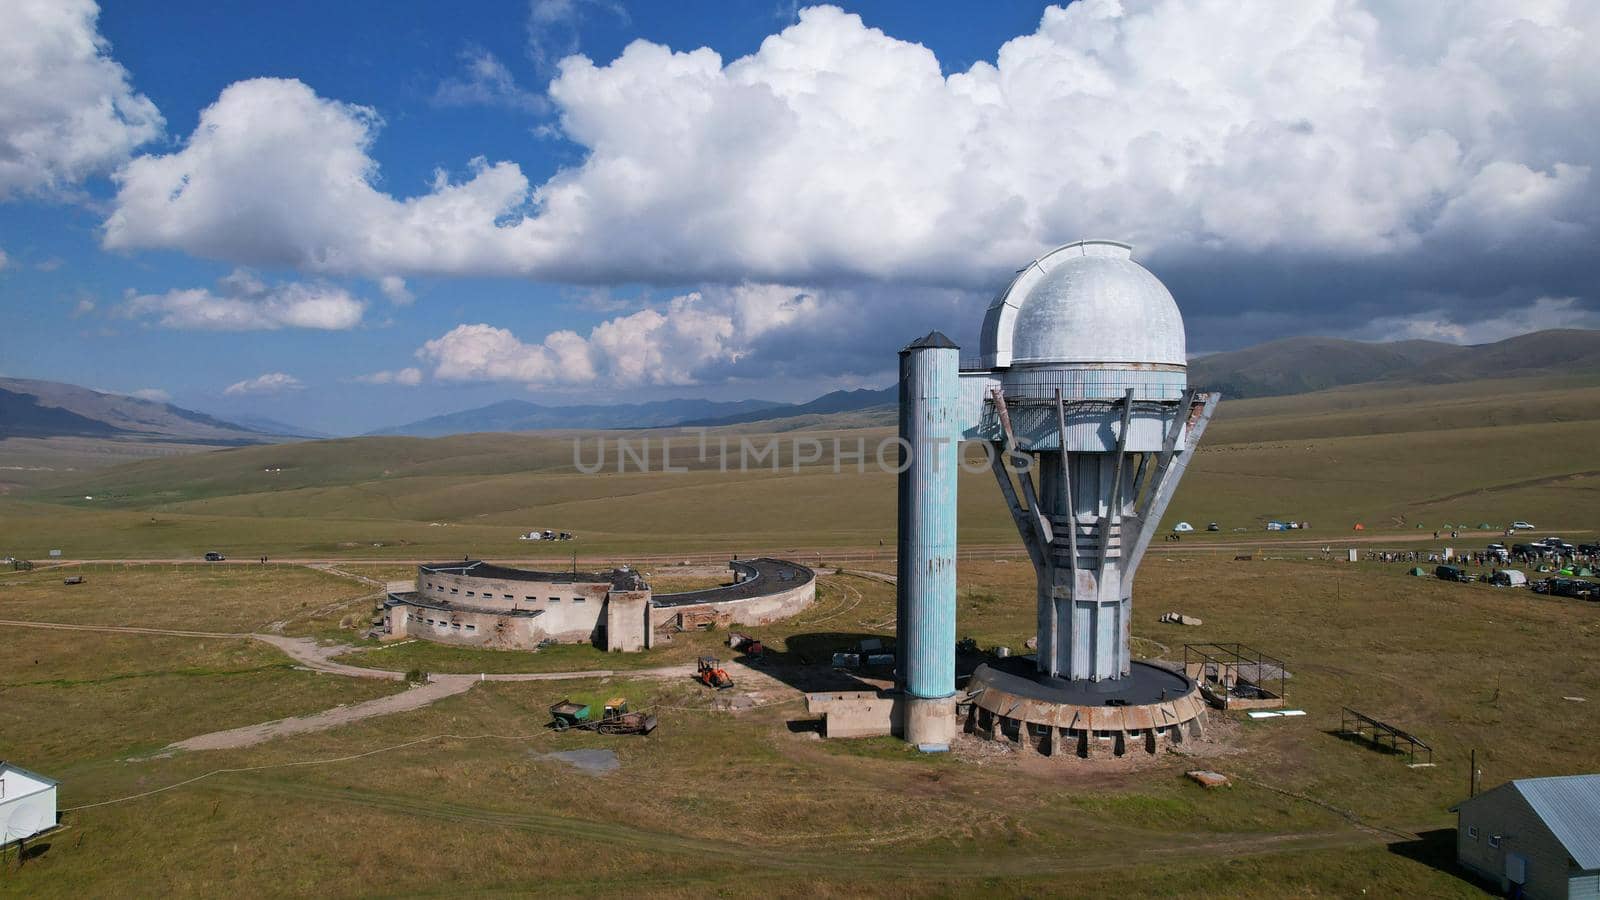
[
  {"x": 83, "y": 307},
  {"x": 67, "y": 110},
  {"x": 394, "y": 287},
  {"x": 1439, "y": 325},
  {"x": 668, "y": 346},
  {"x": 485, "y": 81},
  {"x": 408, "y": 377},
  {"x": 4, "y": 260},
  {"x": 835, "y": 151},
  {"x": 154, "y": 395},
  {"x": 269, "y": 383},
  {"x": 246, "y": 303},
  {"x": 553, "y": 26}
]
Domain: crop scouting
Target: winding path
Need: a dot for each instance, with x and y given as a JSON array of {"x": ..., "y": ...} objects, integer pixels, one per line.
[{"x": 318, "y": 658}]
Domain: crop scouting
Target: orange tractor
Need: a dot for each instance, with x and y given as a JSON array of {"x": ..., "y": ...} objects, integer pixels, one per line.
[{"x": 710, "y": 673}]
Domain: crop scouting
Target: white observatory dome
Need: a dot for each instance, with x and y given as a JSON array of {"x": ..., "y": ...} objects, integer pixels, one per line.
[{"x": 1086, "y": 302}]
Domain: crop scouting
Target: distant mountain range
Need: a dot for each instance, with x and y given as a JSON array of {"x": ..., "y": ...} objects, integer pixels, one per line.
[
  {"x": 520, "y": 415},
  {"x": 1300, "y": 365},
  {"x": 827, "y": 404},
  {"x": 43, "y": 409},
  {"x": 1290, "y": 366}
]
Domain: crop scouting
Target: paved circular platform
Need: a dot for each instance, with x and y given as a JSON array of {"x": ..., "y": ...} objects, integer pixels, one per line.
[{"x": 1150, "y": 706}]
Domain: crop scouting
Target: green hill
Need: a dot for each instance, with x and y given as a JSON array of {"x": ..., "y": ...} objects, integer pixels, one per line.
[{"x": 1388, "y": 457}]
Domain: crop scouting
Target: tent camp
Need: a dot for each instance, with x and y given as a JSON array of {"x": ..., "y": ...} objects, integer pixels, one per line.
[
  {"x": 1360, "y": 527},
  {"x": 1510, "y": 578},
  {"x": 1418, "y": 571},
  {"x": 1183, "y": 526}
]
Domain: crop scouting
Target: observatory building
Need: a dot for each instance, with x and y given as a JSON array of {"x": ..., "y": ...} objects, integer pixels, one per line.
[
  {"x": 1081, "y": 398},
  {"x": 480, "y": 604}
]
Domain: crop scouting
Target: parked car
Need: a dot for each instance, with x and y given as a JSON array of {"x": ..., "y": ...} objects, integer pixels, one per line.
[
  {"x": 1590, "y": 549},
  {"x": 1498, "y": 550},
  {"x": 1530, "y": 549},
  {"x": 1510, "y": 578},
  {"x": 1451, "y": 573},
  {"x": 214, "y": 556},
  {"x": 1571, "y": 587},
  {"x": 1520, "y": 525}
]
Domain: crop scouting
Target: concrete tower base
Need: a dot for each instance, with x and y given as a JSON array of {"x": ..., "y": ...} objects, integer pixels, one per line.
[
  {"x": 930, "y": 724},
  {"x": 1143, "y": 711}
]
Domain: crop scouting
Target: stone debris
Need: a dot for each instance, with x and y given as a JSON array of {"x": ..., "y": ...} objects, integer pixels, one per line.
[{"x": 1209, "y": 780}]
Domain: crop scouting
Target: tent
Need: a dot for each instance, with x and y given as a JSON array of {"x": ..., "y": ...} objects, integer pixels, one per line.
[
  {"x": 1418, "y": 571},
  {"x": 1584, "y": 572},
  {"x": 1360, "y": 527},
  {"x": 1486, "y": 525},
  {"x": 1183, "y": 526}
]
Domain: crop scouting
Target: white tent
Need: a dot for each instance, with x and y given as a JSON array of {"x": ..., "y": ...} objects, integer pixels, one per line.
[
  {"x": 1183, "y": 526},
  {"x": 27, "y": 804}
]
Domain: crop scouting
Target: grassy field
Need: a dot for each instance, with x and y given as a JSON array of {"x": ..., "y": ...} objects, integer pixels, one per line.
[
  {"x": 460, "y": 797},
  {"x": 1388, "y": 458},
  {"x": 722, "y": 802}
]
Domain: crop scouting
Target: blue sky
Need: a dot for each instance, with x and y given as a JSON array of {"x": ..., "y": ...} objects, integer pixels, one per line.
[{"x": 649, "y": 221}]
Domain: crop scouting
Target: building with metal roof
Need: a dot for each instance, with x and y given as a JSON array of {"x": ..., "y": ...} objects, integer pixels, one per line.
[
  {"x": 1539, "y": 834},
  {"x": 27, "y": 803}
]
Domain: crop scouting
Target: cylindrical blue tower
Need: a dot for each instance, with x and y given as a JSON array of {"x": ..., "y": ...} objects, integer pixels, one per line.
[{"x": 930, "y": 434}]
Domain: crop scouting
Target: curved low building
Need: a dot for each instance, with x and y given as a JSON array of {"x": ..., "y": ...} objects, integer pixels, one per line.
[{"x": 480, "y": 604}]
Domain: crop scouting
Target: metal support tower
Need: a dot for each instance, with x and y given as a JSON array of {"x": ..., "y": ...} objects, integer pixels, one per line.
[{"x": 1095, "y": 508}]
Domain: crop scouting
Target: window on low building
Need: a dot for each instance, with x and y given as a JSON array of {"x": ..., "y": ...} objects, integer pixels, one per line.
[
  {"x": 471, "y": 594},
  {"x": 578, "y": 600},
  {"x": 555, "y": 599},
  {"x": 455, "y": 624},
  {"x": 455, "y": 590},
  {"x": 508, "y": 596},
  {"x": 1472, "y": 832},
  {"x": 530, "y": 597},
  {"x": 1494, "y": 840},
  {"x": 472, "y": 628}
]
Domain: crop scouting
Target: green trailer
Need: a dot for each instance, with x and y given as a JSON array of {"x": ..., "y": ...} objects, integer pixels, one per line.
[{"x": 567, "y": 714}]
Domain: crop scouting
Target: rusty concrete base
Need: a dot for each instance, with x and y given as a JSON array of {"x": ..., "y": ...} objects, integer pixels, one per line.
[
  {"x": 1004, "y": 710},
  {"x": 930, "y": 724}
]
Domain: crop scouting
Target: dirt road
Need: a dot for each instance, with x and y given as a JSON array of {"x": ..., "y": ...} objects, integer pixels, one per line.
[{"x": 320, "y": 658}]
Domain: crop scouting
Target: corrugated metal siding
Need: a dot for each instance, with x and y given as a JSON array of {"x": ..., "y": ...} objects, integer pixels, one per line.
[
  {"x": 930, "y": 413},
  {"x": 1506, "y": 811},
  {"x": 1584, "y": 887},
  {"x": 1570, "y": 808}
]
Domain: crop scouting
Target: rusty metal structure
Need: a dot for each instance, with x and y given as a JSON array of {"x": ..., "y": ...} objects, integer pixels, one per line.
[
  {"x": 1375, "y": 731},
  {"x": 1234, "y": 676}
]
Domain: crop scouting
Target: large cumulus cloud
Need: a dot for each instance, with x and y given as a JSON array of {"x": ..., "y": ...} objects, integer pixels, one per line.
[
  {"x": 835, "y": 151},
  {"x": 1285, "y": 167},
  {"x": 67, "y": 110}
]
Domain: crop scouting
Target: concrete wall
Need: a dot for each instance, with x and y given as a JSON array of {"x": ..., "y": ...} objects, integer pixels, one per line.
[
  {"x": 853, "y": 714},
  {"x": 753, "y": 611},
  {"x": 628, "y": 621},
  {"x": 572, "y": 611},
  {"x": 1503, "y": 811},
  {"x": 473, "y": 629}
]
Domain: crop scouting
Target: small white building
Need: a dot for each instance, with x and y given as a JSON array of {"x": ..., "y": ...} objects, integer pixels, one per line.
[{"x": 27, "y": 803}]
